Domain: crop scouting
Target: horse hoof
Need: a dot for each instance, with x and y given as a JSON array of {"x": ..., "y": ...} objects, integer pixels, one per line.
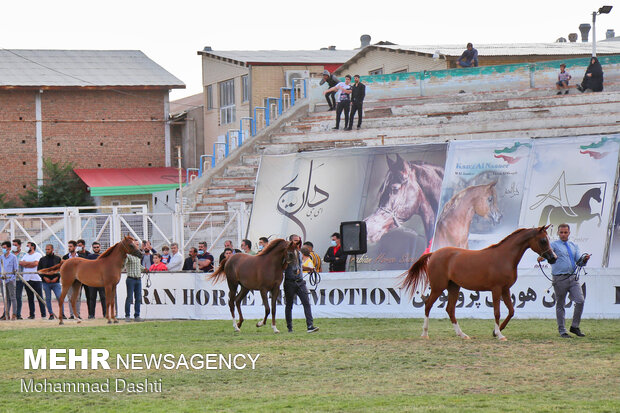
[
  {"x": 276, "y": 331},
  {"x": 425, "y": 337},
  {"x": 116, "y": 321},
  {"x": 79, "y": 321},
  {"x": 503, "y": 339},
  {"x": 109, "y": 321},
  {"x": 466, "y": 337},
  {"x": 237, "y": 329},
  {"x": 259, "y": 324},
  {"x": 60, "y": 323},
  {"x": 494, "y": 335}
]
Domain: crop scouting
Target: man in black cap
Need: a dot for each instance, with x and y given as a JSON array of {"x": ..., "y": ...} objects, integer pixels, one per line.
[{"x": 332, "y": 81}]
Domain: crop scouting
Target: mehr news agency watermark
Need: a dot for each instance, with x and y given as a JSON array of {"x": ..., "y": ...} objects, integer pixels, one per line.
[{"x": 99, "y": 359}]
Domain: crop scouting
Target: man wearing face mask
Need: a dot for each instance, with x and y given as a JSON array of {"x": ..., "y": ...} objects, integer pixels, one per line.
[
  {"x": 51, "y": 283},
  {"x": 295, "y": 285},
  {"x": 205, "y": 260},
  {"x": 30, "y": 262},
  {"x": 9, "y": 266},
  {"x": 335, "y": 256},
  {"x": 262, "y": 243},
  {"x": 16, "y": 249},
  {"x": 72, "y": 248}
]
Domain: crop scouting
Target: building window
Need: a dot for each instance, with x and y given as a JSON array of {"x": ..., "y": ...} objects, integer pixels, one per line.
[
  {"x": 209, "y": 97},
  {"x": 245, "y": 87},
  {"x": 404, "y": 70},
  {"x": 376, "y": 72},
  {"x": 227, "y": 102}
]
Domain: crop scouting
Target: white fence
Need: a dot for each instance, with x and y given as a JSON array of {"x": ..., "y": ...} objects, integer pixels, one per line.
[{"x": 107, "y": 225}]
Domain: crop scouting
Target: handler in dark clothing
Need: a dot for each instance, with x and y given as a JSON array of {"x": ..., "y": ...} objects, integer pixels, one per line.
[
  {"x": 92, "y": 291},
  {"x": 335, "y": 256},
  {"x": 332, "y": 81},
  {"x": 593, "y": 79},
  {"x": 295, "y": 285},
  {"x": 358, "y": 92},
  {"x": 50, "y": 283}
]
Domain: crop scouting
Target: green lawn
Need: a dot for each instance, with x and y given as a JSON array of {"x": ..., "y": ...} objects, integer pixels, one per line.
[{"x": 349, "y": 365}]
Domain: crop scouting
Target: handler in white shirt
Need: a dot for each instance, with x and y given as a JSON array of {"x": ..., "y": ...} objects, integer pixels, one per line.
[{"x": 29, "y": 262}]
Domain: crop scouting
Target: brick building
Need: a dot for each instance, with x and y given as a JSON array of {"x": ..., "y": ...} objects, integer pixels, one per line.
[
  {"x": 386, "y": 59},
  {"x": 236, "y": 81},
  {"x": 98, "y": 109}
]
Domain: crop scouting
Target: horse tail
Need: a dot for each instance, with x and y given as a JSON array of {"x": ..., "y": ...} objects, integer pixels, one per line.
[
  {"x": 51, "y": 270},
  {"x": 544, "y": 216},
  {"x": 219, "y": 274},
  {"x": 417, "y": 275}
]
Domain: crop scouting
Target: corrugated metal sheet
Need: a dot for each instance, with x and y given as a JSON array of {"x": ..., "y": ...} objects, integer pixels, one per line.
[
  {"x": 283, "y": 56},
  {"x": 82, "y": 68},
  {"x": 516, "y": 49}
]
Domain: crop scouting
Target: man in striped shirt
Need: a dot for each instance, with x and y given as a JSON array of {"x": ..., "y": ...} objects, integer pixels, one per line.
[{"x": 134, "y": 268}]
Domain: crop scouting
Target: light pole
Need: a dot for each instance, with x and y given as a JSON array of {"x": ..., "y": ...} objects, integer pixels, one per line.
[{"x": 602, "y": 10}]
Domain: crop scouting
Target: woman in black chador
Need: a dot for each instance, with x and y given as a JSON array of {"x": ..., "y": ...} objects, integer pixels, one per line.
[{"x": 593, "y": 79}]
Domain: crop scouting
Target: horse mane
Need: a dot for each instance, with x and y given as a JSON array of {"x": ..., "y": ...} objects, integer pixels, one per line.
[
  {"x": 271, "y": 246},
  {"x": 108, "y": 251},
  {"x": 518, "y": 231}
]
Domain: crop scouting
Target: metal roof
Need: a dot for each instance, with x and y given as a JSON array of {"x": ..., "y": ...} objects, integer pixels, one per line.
[
  {"x": 516, "y": 49},
  {"x": 37, "y": 68},
  {"x": 129, "y": 181},
  {"x": 281, "y": 56}
]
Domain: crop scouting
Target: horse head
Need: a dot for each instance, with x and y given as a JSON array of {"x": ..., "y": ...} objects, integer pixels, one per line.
[
  {"x": 541, "y": 245},
  {"x": 485, "y": 204},
  {"x": 596, "y": 194},
  {"x": 400, "y": 196},
  {"x": 129, "y": 245}
]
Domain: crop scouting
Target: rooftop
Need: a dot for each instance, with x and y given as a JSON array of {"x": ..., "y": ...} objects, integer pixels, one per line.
[
  {"x": 245, "y": 57},
  {"x": 82, "y": 68}
]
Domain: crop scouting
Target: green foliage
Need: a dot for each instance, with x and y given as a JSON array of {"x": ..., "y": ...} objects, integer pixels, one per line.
[
  {"x": 61, "y": 187},
  {"x": 4, "y": 203}
]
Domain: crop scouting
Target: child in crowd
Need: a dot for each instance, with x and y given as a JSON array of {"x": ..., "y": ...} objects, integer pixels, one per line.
[
  {"x": 157, "y": 264},
  {"x": 165, "y": 254},
  {"x": 563, "y": 78}
]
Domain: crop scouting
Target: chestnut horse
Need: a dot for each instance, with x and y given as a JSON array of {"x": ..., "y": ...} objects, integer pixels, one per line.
[
  {"x": 491, "y": 269},
  {"x": 263, "y": 272},
  {"x": 105, "y": 272},
  {"x": 456, "y": 217}
]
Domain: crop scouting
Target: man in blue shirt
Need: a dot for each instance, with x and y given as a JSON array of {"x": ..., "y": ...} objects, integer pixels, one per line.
[
  {"x": 469, "y": 58},
  {"x": 565, "y": 280},
  {"x": 9, "y": 266}
]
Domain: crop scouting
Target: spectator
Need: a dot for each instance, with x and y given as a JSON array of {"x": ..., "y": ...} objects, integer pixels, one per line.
[
  {"x": 228, "y": 253},
  {"x": 134, "y": 285},
  {"x": 190, "y": 262},
  {"x": 16, "y": 249},
  {"x": 262, "y": 243},
  {"x": 92, "y": 303},
  {"x": 335, "y": 256},
  {"x": 246, "y": 247},
  {"x": 158, "y": 265},
  {"x": 176, "y": 259},
  {"x": 165, "y": 254},
  {"x": 72, "y": 248},
  {"x": 469, "y": 57},
  {"x": 50, "y": 283},
  {"x": 593, "y": 79},
  {"x": 205, "y": 260},
  {"x": 9, "y": 267},
  {"x": 30, "y": 262},
  {"x": 316, "y": 260},
  {"x": 228, "y": 244},
  {"x": 295, "y": 285},
  {"x": 84, "y": 253},
  {"x": 332, "y": 81},
  {"x": 358, "y": 92},
  {"x": 563, "y": 78},
  {"x": 306, "y": 261},
  {"x": 147, "y": 251},
  {"x": 344, "y": 100}
]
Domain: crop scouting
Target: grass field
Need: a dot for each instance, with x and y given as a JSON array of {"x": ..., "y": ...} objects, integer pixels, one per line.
[{"x": 350, "y": 365}]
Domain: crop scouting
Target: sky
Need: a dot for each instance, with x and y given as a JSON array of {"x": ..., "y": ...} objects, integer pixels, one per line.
[{"x": 171, "y": 32}]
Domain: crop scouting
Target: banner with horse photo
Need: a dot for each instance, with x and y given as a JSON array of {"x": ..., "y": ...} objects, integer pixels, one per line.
[
  {"x": 559, "y": 191},
  {"x": 481, "y": 193},
  {"x": 394, "y": 189}
]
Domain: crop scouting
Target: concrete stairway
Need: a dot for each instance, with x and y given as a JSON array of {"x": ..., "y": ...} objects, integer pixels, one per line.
[{"x": 491, "y": 115}]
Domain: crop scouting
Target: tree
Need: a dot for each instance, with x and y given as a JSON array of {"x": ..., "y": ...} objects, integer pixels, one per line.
[
  {"x": 61, "y": 187},
  {"x": 4, "y": 203}
]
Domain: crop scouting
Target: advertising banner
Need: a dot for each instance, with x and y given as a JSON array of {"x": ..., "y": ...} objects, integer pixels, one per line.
[
  {"x": 571, "y": 180},
  {"x": 394, "y": 189},
  {"x": 482, "y": 192},
  {"x": 365, "y": 294}
]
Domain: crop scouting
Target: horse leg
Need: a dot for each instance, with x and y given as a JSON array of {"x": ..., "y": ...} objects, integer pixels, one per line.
[
  {"x": 453, "y": 295},
  {"x": 496, "y": 331},
  {"x": 77, "y": 289},
  {"x": 61, "y": 304},
  {"x": 263, "y": 294},
  {"x": 274, "y": 298},
  {"x": 112, "y": 304},
  {"x": 433, "y": 296},
  {"x": 232, "y": 294},
  {"x": 509, "y": 305},
  {"x": 244, "y": 291},
  {"x": 108, "y": 310}
]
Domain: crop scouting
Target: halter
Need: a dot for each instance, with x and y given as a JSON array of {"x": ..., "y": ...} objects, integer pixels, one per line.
[
  {"x": 124, "y": 247},
  {"x": 392, "y": 214}
]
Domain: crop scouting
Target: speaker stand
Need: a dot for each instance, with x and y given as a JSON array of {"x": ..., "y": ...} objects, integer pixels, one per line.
[{"x": 355, "y": 262}]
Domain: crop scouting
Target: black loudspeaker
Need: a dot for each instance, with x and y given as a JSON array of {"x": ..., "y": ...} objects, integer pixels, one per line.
[{"x": 353, "y": 237}]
